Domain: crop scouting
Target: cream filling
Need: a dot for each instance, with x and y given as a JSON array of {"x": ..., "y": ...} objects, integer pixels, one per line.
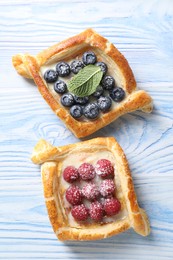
[
  {"x": 76, "y": 159},
  {"x": 113, "y": 70}
]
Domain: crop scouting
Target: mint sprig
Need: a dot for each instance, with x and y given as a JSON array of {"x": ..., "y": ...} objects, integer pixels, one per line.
[{"x": 86, "y": 81}]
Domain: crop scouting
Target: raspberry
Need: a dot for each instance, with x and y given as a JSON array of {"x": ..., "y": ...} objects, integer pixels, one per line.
[
  {"x": 96, "y": 211},
  {"x": 107, "y": 188},
  {"x": 86, "y": 171},
  {"x": 70, "y": 174},
  {"x": 74, "y": 195},
  {"x": 90, "y": 191},
  {"x": 112, "y": 206},
  {"x": 104, "y": 168},
  {"x": 80, "y": 212}
]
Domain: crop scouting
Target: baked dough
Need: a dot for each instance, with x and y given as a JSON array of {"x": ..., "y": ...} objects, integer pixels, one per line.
[
  {"x": 52, "y": 160},
  {"x": 31, "y": 66}
]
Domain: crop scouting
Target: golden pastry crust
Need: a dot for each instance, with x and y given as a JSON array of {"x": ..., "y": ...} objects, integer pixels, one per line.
[
  {"x": 51, "y": 159},
  {"x": 29, "y": 66}
]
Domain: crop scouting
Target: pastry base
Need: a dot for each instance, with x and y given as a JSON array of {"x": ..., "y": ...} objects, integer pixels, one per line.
[
  {"x": 30, "y": 67},
  {"x": 52, "y": 158}
]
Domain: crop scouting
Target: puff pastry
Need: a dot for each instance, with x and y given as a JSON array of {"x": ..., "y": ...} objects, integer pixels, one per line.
[
  {"x": 54, "y": 159},
  {"x": 33, "y": 66}
]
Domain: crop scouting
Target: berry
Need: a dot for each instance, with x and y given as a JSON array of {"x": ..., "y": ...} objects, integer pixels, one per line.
[
  {"x": 76, "y": 66},
  {"x": 117, "y": 94},
  {"x": 91, "y": 111},
  {"x": 107, "y": 188},
  {"x": 104, "y": 103},
  {"x": 108, "y": 82},
  {"x": 112, "y": 206},
  {"x": 81, "y": 100},
  {"x": 76, "y": 111},
  {"x": 80, "y": 212},
  {"x": 67, "y": 100},
  {"x": 98, "y": 92},
  {"x": 70, "y": 174},
  {"x": 96, "y": 211},
  {"x": 86, "y": 171},
  {"x": 50, "y": 76},
  {"x": 90, "y": 191},
  {"x": 89, "y": 57},
  {"x": 63, "y": 69},
  {"x": 60, "y": 87},
  {"x": 73, "y": 195},
  {"x": 104, "y": 168},
  {"x": 103, "y": 67}
]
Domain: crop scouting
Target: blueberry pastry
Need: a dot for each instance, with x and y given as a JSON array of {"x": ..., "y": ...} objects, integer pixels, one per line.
[
  {"x": 88, "y": 190},
  {"x": 86, "y": 81}
]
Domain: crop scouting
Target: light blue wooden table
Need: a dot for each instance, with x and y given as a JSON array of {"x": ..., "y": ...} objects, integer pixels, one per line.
[{"x": 143, "y": 32}]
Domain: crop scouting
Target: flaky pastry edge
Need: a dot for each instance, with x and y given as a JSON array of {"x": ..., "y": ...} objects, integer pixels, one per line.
[
  {"x": 50, "y": 157},
  {"x": 29, "y": 67}
]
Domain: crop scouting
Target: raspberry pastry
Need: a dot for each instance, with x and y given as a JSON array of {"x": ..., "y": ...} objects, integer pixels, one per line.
[
  {"x": 85, "y": 80},
  {"x": 88, "y": 190}
]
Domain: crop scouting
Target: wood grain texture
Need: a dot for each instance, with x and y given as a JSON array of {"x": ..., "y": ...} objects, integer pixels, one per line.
[{"x": 143, "y": 32}]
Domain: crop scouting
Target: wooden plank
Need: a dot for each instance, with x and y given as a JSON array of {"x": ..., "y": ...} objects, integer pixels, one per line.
[{"x": 142, "y": 30}]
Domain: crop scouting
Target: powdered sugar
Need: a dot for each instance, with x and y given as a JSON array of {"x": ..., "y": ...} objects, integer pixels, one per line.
[
  {"x": 90, "y": 191},
  {"x": 70, "y": 174},
  {"x": 80, "y": 212},
  {"x": 96, "y": 211},
  {"x": 104, "y": 168},
  {"x": 76, "y": 160},
  {"x": 107, "y": 188},
  {"x": 73, "y": 195},
  {"x": 112, "y": 206},
  {"x": 86, "y": 171}
]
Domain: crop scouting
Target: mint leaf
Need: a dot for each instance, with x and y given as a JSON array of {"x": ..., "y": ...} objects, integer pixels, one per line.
[{"x": 86, "y": 81}]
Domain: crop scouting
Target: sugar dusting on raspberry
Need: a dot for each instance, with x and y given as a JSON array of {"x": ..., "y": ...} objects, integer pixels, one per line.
[
  {"x": 90, "y": 191},
  {"x": 73, "y": 195},
  {"x": 80, "y": 212},
  {"x": 92, "y": 197},
  {"x": 86, "y": 171},
  {"x": 70, "y": 174},
  {"x": 104, "y": 168},
  {"x": 107, "y": 187},
  {"x": 96, "y": 211},
  {"x": 112, "y": 206}
]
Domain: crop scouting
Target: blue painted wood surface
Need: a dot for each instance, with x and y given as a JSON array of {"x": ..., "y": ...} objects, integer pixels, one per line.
[{"x": 143, "y": 32}]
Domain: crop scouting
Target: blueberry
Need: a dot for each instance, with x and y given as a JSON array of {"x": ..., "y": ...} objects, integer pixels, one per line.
[
  {"x": 81, "y": 100},
  {"x": 76, "y": 66},
  {"x": 104, "y": 103},
  {"x": 89, "y": 57},
  {"x": 91, "y": 111},
  {"x": 117, "y": 94},
  {"x": 108, "y": 82},
  {"x": 103, "y": 67},
  {"x": 67, "y": 100},
  {"x": 98, "y": 92},
  {"x": 76, "y": 111},
  {"x": 50, "y": 76},
  {"x": 63, "y": 69},
  {"x": 60, "y": 87}
]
